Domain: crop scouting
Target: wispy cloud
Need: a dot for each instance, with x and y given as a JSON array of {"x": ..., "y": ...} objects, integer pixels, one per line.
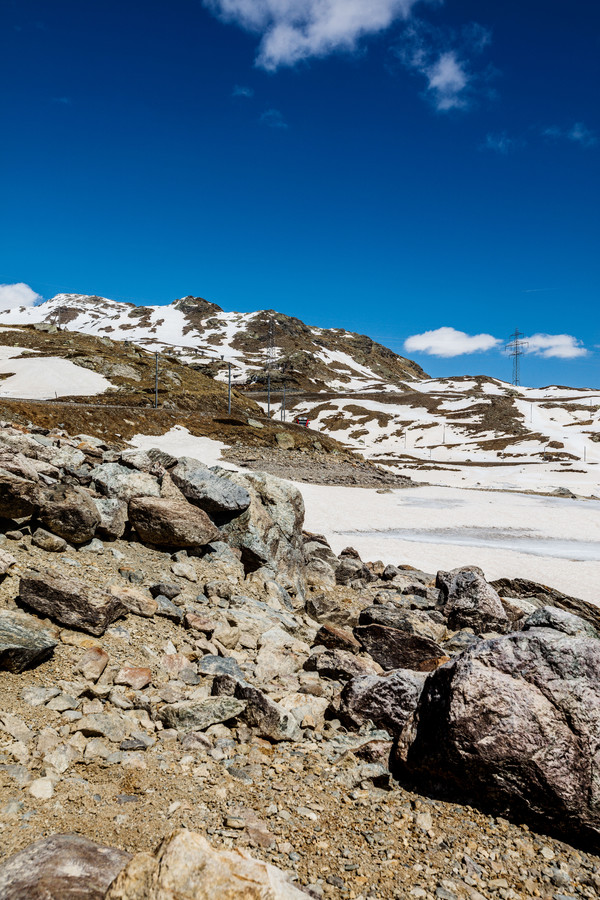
[
  {"x": 501, "y": 143},
  {"x": 448, "y": 342},
  {"x": 273, "y": 118},
  {"x": 444, "y": 57},
  {"x": 562, "y": 346},
  {"x": 577, "y": 134},
  {"x": 294, "y": 30},
  {"x": 62, "y": 101},
  {"x": 242, "y": 91},
  {"x": 18, "y": 294}
]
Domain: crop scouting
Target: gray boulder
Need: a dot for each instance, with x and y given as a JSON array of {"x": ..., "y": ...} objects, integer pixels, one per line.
[
  {"x": 24, "y": 641},
  {"x": 340, "y": 665},
  {"x": 388, "y": 701},
  {"x": 18, "y": 496},
  {"x": 61, "y": 867},
  {"x": 69, "y": 512},
  {"x": 550, "y": 617},
  {"x": 470, "y": 602},
  {"x": 47, "y": 541},
  {"x": 171, "y": 523},
  {"x": 514, "y": 724},
  {"x": 113, "y": 517},
  {"x": 269, "y": 718},
  {"x": 208, "y": 490},
  {"x": 189, "y": 715},
  {"x": 70, "y": 601},
  {"x": 114, "y": 480}
]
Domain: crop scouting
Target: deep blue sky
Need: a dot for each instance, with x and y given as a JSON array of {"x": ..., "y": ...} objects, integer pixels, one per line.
[{"x": 344, "y": 190}]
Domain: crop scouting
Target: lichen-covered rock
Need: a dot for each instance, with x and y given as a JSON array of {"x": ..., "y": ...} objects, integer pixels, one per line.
[
  {"x": 514, "y": 723},
  {"x": 61, "y": 867},
  {"x": 70, "y": 601},
  {"x": 171, "y": 523},
  {"x": 23, "y": 641},
  {"x": 113, "y": 517},
  {"x": 190, "y": 715},
  {"x": 118, "y": 481},
  {"x": 69, "y": 512},
  {"x": 186, "y": 867},
  {"x": 208, "y": 490}
]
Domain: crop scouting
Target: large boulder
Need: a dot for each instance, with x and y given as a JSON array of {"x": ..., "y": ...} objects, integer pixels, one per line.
[
  {"x": 69, "y": 512},
  {"x": 198, "y": 715},
  {"x": 269, "y": 718},
  {"x": 395, "y": 649},
  {"x": 61, "y": 867},
  {"x": 269, "y": 532},
  {"x": 208, "y": 490},
  {"x": 514, "y": 724},
  {"x": 171, "y": 523},
  {"x": 413, "y": 621},
  {"x": 113, "y": 517},
  {"x": 70, "y": 601},
  {"x": 388, "y": 701},
  {"x": 186, "y": 867},
  {"x": 24, "y": 641},
  {"x": 115, "y": 480},
  {"x": 470, "y": 602},
  {"x": 18, "y": 496}
]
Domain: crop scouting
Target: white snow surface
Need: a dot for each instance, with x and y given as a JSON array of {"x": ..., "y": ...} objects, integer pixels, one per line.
[
  {"x": 46, "y": 377},
  {"x": 553, "y": 541},
  {"x": 179, "y": 442}
]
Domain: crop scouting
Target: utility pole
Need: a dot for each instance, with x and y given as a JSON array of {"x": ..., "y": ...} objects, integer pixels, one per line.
[
  {"x": 270, "y": 357},
  {"x": 156, "y": 381},
  {"x": 516, "y": 347},
  {"x": 229, "y": 392},
  {"x": 283, "y": 404}
]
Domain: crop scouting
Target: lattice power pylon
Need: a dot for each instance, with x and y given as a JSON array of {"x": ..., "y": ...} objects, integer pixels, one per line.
[{"x": 516, "y": 347}]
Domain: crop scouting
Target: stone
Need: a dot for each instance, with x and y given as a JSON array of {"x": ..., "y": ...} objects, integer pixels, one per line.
[
  {"x": 185, "y": 570},
  {"x": 37, "y": 696},
  {"x": 69, "y": 512},
  {"x": 514, "y": 723},
  {"x": 559, "y": 620},
  {"x": 70, "y": 601},
  {"x": 135, "y": 600},
  {"x": 113, "y": 517},
  {"x": 171, "y": 523},
  {"x": 269, "y": 718},
  {"x": 341, "y": 665},
  {"x": 208, "y": 490},
  {"x": 47, "y": 541},
  {"x": 41, "y": 788},
  {"x": 333, "y": 637},
  {"x": 219, "y": 665},
  {"x": 24, "y": 642},
  {"x": 117, "y": 481},
  {"x": 7, "y": 561},
  {"x": 175, "y": 663},
  {"x": 198, "y": 623},
  {"x": 387, "y": 701},
  {"x": 18, "y": 496},
  {"x": 137, "y": 459},
  {"x": 168, "y": 610},
  {"x": 269, "y": 532},
  {"x": 135, "y": 677},
  {"x": 186, "y": 867},
  {"x": 542, "y": 595},
  {"x": 167, "y": 589},
  {"x": 92, "y": 664},
  {"x": 61, "y": 867},
  {"x": 189, "y": 715},
  {"x": 411, "y": 621},
  {"x": 470, "y": 602},
  {"x": 110, "y": 725},
  {"x": 394, "y": 649}
]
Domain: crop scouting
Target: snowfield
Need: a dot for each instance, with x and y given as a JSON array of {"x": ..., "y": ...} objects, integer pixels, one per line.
[{"x": 46, "y": 377}]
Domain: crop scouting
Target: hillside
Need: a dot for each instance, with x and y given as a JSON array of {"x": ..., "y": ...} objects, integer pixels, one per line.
[{"x": 202, "y": 334}]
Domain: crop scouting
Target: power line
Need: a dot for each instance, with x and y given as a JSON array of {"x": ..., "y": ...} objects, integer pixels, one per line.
[{"x": 516, "y": 347}]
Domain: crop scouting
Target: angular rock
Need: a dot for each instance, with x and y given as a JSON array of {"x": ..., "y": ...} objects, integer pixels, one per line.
[
  {"x": 47, "y": 541},
  {"x": 92, "y": 664},
  {"x": 135, "y": 677},
  {"x": 208, "y": 490},
  {"x": 69, "y": 512},
  {"x": 388, "y": 701},
  {"x": 170, "y": 591},
  {"x": 7, "y": 560},
  {"x": 70, "y": 601},
  {"x": 219, "y": 665},
  {"x": 114, "y": 480},
  {"x": 171, "y": 523},
  {"x": 135, "y": 600},
  {"x": 185, "y": 867},
  {"x": 24, "y": 641},
  {"x": 542, "y": 595},
  {"x": 111, "y": 725},
  {"x": 394, "y": 649},
  {"x": 341, "y": 665},
  {"x": 269, "y": 718},
  {"x": 470, "y": 602},
  {"x": 61, "y": 867},
  {"x": 411, "y": 621},
  {"x": 113, "y": 517},
  {"x": 334, "y": 637},
  {"x": 514, "y": 723},
  {"x": 189, "y": 715},
  {"x": 18, "y": 497},
  {"x": 559, "y": 620}
]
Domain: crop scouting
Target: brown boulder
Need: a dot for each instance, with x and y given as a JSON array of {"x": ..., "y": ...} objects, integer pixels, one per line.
[
  {"x": 69, "y": 512},
  {"x": 395, "y": 649},
  {"x": 171, "y": 523},
  {"x": 18, "y": 497},
  {"x": 71, "y": 602}
]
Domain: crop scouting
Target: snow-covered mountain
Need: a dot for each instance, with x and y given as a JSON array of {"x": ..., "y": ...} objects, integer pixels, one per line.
[{"x": 203, "y": 334}]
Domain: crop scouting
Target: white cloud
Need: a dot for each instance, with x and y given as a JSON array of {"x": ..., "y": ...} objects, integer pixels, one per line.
[
  {"x": 563, "y": 346},
  {"x": 442, "y": 57},
  {"x": 295, "y": 30},
  {"x": 241, "y": 91},
  {"x": 449, "y": 342},
  {"x": 273, "y": 118},
  {"x": 577, "y": 134},
  {"x": 501, "y": 143},
  {"x": 18, "y": 294}
]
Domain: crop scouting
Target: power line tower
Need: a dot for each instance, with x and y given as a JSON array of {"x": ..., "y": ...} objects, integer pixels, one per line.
[
  {"x": 516, "y": 347},
  {"x": 270, "y": 361}
]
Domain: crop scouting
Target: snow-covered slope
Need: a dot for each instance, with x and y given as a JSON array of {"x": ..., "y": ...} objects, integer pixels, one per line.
[{"x": 203, "y": 334}]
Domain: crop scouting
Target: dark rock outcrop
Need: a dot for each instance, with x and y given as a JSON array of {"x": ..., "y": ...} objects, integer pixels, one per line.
[
  {"x": 70, "y": 601},
  {"x": 171, "y": 523}
]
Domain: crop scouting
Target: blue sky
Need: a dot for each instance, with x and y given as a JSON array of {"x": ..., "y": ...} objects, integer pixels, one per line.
[{"x": 392, "y": 167}]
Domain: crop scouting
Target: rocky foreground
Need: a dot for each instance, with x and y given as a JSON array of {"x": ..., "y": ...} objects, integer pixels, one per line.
[{"x": 200, "y": 700}]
